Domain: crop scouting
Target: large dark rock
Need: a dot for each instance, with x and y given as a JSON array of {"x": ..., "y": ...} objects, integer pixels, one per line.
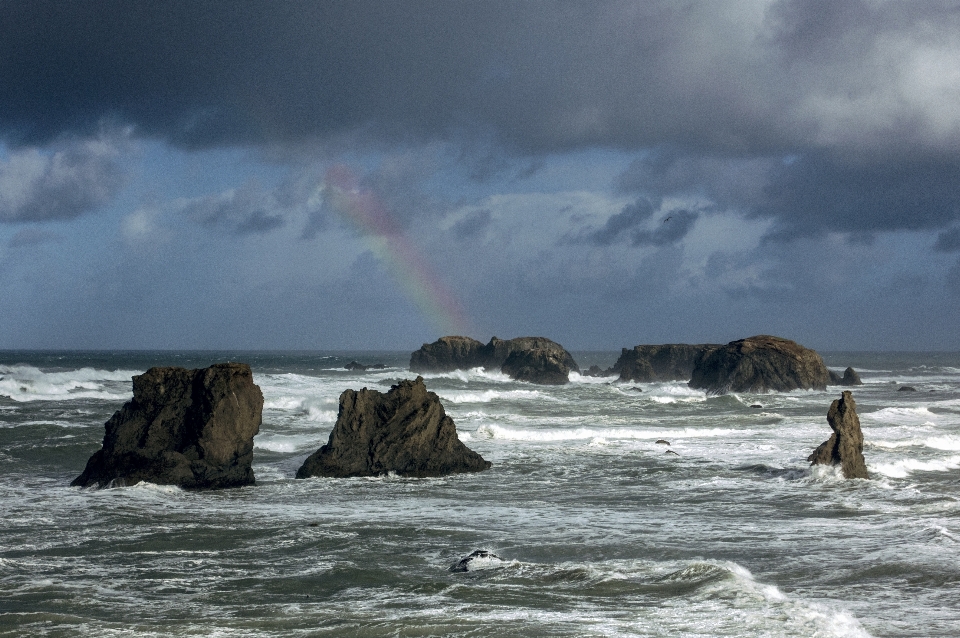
[
  {"x": 850, "y": 378},
  {"x": 759, "y": 364},
  {"x": 404, "y": 431},
  {"x": 447, "y": 354},
  {"x": 191, "y": 428},
  {"x": 546, "y": 367},
  {"x": 463, "y": 353},
  {"x": 666, "y": 362},
  {"x": 845, "y": 445}
]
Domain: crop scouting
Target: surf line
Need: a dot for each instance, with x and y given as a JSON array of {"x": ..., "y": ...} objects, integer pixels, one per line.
[{"x": 387, "y": 240}]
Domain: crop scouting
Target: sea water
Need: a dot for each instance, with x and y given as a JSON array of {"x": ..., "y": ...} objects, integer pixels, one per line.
[{"x": 597, "y": 530}]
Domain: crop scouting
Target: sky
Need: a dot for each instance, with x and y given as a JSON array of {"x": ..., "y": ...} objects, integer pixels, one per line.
[{"x": 352, "y": 175}]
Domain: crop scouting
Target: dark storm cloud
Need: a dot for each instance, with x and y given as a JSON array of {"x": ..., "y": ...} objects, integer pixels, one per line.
[
  {"x": 541, "y": 76},
  {"x": 472, "y": 225},
  {"x": 672, "y": 229},
  {"x": 630, "y": 217},
  {"x": 62, "y": 183},
  {"x": 948, "y": 241}
]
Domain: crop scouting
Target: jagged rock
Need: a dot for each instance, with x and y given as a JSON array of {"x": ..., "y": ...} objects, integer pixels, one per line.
[
  {"x": 191, "y": 428},
  {"x": 759, "y": 364},
  {"x": 665, "y": 362},
  {"x": 463, "y": 353},
  {"x": 845, "y": 445},
  {"x": 405, "y": 431},
  {"x": 907, "y": 388},
  {"x": 463, "y": 564}
]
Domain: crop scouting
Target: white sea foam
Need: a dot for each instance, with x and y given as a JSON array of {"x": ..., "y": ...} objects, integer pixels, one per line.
[
  {"x": 486, "y": 396},
  {"x": 28, "y": 383},
  {"x": 904, "y": 467},
  {"x": 492, "y": 431},
  {"x": 285, "y": 443},
  {"x": 902, "y": 416}
]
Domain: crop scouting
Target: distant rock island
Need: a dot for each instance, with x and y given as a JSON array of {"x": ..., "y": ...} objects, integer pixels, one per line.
[
  {"x": 533, "y": 359},
  {"x": 845, "y": 445},
  {"x": 405, "y": 431},
  {"x": 354, "y": 366},
  {"x": 190, "y": 428},
  {"x": 759, "y": 364}
]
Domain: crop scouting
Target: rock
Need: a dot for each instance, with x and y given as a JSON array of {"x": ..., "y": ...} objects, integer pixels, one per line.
[
  {"x": 462, "y": 353},
  {"x": 405, "y": 431},
  {"x": 845, "y": 445},
  {"x": 359, "y": 367},
  {"x": 546, "y": 367},
  {"x": 597, "y": 371},
  {"x": 907, "y": 388},
  {"x": 671, "y": 452},
  {"x": 756, "y": 405},
  {"x": 447, "y": 354},
  {"x": 191, "y": 428},
  {"x": 663, "y": 442},
  {"x": 464, "y": 563},
  {"x": 667, "y": 362},
  {"x": 759, "y": 364},
  {"x": 850, "y": 378}
]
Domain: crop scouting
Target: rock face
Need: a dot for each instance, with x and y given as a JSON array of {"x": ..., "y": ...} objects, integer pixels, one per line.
[
  {"x": 546, "y": 367},
  {"x": 759, "y": 364},
  {"x": 191, "y": 428},
  {"x": 845, "y": 445},
  {"x": 667, "y": 362},
  {"x": 462, "y": 353},
  {"x": 447, "y": 354},
  {"x": 404, "y": 431}
]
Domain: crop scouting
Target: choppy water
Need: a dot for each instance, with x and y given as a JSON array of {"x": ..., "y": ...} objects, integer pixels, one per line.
[{"x": 599, "y": 530}]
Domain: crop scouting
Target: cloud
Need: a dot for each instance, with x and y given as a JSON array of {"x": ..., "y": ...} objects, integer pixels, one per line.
[
  {"x": 672, "y": 229},
  {"x": 34, "y": 237},
  {"x": 472, "y": 224},
  {"x": 243, "y": 211},
  {"x": 948, "y": 241},
  {"x": 754, "y": 76},
  {"x": 628, "y": 218},
  {"x": 67, "y": 181}
]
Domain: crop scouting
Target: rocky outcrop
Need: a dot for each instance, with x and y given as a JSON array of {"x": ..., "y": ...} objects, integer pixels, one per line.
[
  {"x": 355, "y": 366},
  {"x": 462, "y": 353},
  {"x": 191, "y": 428},
  {"x": 546, "y": 367},
  {"x": 845, "y": 445},
  {"x": 467, "y": 563},
  {"x": 666, "y": 362},
  {"x": 404, "y": 431},
  {"x": 850, "y": 378},
  {"x": 759, "y": 364},
  {"x": 447, "y": 354}
]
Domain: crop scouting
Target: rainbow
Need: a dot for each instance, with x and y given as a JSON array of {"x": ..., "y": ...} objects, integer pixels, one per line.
[{"x": 392, "y": 246}]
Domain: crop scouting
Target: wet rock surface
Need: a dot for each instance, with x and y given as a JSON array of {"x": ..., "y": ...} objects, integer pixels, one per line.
[
  {"x": 845, "y": 445},
  {"x": 190, "y": 428},
  {"x": 759, "y": 364},
  {"x": 480, "y": 555},
  {"x": 405, "y": 431}
]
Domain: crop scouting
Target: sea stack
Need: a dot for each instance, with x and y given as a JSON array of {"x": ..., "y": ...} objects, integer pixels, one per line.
[
  {"x": 665, "y": 362},
  {"x": 845, "y": 445},
  {"x": 190, "y": 428},
  {"x": 759, "y": 364},
  {"x": 405, "y": 431},
  {"x": 534, "y": 359}
]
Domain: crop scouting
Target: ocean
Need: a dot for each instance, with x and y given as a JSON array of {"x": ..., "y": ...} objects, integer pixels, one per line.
[{"x": 596, "y": 529}]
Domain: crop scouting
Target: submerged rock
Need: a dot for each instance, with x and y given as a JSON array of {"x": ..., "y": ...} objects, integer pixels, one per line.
[
  {"x": 907, "y": 388},
  {"x": 666, "y": 362},
  {"x": 405, "y": 431},
  {"x": 191, "y": 428},
  {"x": 759, "y": 364},
  {"x": 462, "y": 353},
  {"x": 467, "y": 562},
  {"x": 845, "y": 445}
]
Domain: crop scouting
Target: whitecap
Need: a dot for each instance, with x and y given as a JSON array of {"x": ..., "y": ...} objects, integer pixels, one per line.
[
  {"x": 904, "y": 467},
  {"x": 499, "y": 432}
]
